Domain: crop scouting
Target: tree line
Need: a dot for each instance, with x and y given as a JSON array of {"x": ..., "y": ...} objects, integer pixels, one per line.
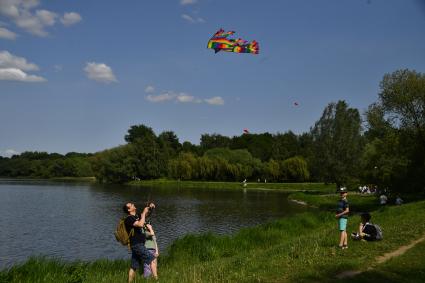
[{"x": 384, "y": 146}]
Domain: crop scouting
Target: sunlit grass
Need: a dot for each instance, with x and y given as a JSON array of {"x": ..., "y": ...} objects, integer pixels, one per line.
[{"x": 301, "y": 248}]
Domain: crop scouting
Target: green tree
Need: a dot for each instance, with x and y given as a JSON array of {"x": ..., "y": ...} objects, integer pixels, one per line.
[
  {"x": 337, "y": 144},
  {"x": 295, "y": 169},
  {"x": 396, "y": 132},
  {"x": 139, "y": 132}
]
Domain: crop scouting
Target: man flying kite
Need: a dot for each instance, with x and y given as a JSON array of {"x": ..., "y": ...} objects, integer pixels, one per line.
[{"x": 220, "y": 42}]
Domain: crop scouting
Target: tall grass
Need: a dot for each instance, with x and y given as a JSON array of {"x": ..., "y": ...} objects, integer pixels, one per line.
[{"x": 302, "y": 248}]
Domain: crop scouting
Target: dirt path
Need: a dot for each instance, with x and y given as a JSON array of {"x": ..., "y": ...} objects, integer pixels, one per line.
[{"x": 381, "y": 259}]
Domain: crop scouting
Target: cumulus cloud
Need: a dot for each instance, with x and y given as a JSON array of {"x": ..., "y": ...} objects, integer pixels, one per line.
[
  {"x": 99, "y": 72},
  {"x": 8, "y": 60},
  {"x": 13, "y": 68},
  {"x": 161, "y": 97},
  {"x": 8, "y": 153},
  {"x": 217, "y": 100},
  {"x": 7, "y": 34},
  {"x": 150, "y": 89},
  {"x": 191, "y": 19},
  {"x": 34, "y": 21},
  {"x": 181, "y": 98},
  {"x": 186, "y": 98},
  {"x": 188, "y": 2},
  {"x": 70, "y": 18},
  {"x": 13, "y": 74}
]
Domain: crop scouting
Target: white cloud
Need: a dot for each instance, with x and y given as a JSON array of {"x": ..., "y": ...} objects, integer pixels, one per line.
[
  {"x": 8, "y": 153},
  {"x": 22, "y": 13},
  {"x": 70, "y": 18},
  {"x": 188, "y": 18},
  {"x": 7, "y": 34},
  {"x": 185, "y": 98},
  {"x": 161, "y": 97},
  {"x": 99, "y": 72},
  {"x": 13, "y": 74},
  {"x": 217, "y": 100},
  {"x": 8, "y": 60},
  {"x": 12, "y": 68},
  {"x": 47, "y": 18},
  {"x": 191, "y": 19},
  {"x": 188, "y": 2},
  {"x": 150, "y": 89},
  {"x": 182, "y": 98}
]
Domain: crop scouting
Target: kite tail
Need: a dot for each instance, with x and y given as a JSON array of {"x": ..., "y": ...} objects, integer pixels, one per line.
[{"x": 254, "y": 47}]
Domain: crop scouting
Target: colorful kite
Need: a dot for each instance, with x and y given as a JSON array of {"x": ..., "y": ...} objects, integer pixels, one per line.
[
  {"x": 245, "y": 131},
  {"x": 220, "y": 42}
]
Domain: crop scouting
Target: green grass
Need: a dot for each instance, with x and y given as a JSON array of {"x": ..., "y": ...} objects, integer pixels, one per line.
[
  {"x": 409, "y": 267},
  {"x": 301, "y": 248},
  {"x": 289, "y": 187},
  {"x": 358, "y": 202}
]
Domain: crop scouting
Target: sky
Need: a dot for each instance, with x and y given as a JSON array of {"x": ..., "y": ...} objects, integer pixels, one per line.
[{"x": 76, "y": 75}]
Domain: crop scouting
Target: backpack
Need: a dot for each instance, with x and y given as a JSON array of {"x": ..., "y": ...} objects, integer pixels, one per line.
[
  {"x": 379, "y": 235},
  {"x": 121, "y": 234}
]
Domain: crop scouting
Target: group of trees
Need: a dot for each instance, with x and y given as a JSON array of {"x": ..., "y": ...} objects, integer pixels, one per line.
[
  {"x": 45, "y": 165},
  {"x": 386, "y": 148}
]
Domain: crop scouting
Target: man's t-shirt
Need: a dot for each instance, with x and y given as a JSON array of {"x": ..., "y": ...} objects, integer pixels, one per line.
[
  {"x": 138, "y": 237},
  {"x": 342, "y": 205},
  {"x": 371, "y": 232}
]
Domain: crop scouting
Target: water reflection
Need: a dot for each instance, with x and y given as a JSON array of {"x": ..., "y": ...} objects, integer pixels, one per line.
[{"x": 76, "y": 221}]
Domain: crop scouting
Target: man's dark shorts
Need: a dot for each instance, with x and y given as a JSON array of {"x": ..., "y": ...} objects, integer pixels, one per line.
[{"x": 139, "y": 255}]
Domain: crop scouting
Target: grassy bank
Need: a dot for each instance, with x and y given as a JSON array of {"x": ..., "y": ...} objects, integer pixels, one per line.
[
  {"x": 328, "y": 202},
  {"x": 289, "y": 187},
  {"x": 296, "y": 249}
]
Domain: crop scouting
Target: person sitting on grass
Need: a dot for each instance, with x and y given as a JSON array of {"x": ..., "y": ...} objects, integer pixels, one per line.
[{"x": 367, "y": 231}]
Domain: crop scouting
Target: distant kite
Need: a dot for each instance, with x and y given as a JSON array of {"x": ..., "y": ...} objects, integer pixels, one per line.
[
  {"x": 220, "y": 42},
  {"x": 296, "y": 103},
  {"x": 245, "y": 131}
]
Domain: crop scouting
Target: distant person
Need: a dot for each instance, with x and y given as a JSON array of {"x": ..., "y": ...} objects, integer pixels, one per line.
[
  {"x": 398, "y": 200},
  {"x": 152, "y": 247},
  {"x": 139, "y": 253},
  {"x": 383, "y": 199},
  {"x": 342, "y": 216},
  {"x": 244, "y": 183},
  {"x": 367, "y": 231}
]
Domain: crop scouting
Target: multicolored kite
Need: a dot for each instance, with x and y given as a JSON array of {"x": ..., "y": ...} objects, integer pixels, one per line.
[{"x": 220, "y": 42}]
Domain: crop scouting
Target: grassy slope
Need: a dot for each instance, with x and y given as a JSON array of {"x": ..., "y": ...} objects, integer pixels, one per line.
[
  {"x": 297, "y": 249},
  {"x": 409, "y": 267}
]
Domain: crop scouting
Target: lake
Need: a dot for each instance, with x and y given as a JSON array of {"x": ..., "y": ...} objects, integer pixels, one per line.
[{"x": 75, "y": 221}]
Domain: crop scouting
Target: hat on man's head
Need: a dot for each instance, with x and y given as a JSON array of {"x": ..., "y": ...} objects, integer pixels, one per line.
[{"x": 342, "y": 190}]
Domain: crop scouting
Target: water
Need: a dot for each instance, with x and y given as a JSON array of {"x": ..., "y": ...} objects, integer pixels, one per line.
[{"x": 76, "y": 221}]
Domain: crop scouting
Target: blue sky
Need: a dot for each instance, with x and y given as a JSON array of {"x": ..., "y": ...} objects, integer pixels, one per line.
[{"x": 75, "y": 75}]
